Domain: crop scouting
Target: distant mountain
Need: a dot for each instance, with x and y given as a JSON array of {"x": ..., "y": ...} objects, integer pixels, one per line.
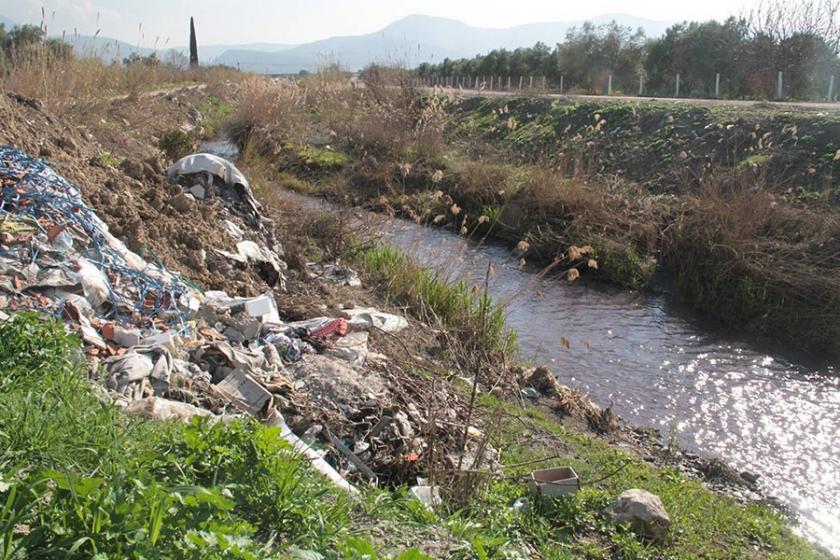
[
  {"x": 110, "y": 49},
  {"x": 106, "y": 48},
  {"x": 416, "y": 39},
  {"x": 210, "y": 53}
]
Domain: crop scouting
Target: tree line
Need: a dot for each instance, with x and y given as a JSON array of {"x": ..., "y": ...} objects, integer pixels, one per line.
[{"x": 800, "y": 40}]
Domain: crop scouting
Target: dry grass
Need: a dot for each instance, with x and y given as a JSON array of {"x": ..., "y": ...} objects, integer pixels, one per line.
[
  {"x": 749, "y": 258},
  {"x": 276, "y": 106},
  {"x": 74, "y": 83}
]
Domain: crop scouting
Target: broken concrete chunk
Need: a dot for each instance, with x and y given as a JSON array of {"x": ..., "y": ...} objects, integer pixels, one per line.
[
  {"x": 244, "y": 391},
  {"x": 198, "y": 192},
  {"x": 126, "y": 337}
]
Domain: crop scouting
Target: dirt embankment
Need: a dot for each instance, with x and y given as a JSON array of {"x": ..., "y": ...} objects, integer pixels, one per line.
[{"x": 667, "y": 148}]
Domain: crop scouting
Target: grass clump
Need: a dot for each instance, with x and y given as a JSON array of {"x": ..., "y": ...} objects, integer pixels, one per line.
[
  {"x": 469, "y": 313},
  {"x": 177, "y": 143}
]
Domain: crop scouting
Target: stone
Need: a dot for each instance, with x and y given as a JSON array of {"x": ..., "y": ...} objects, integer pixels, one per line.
[
  {"x": 643, "y": 511},
  {"x": 198, "y": 192},
  {"x": 183, "y": 202},
  {"x": 543, "y": 380}
]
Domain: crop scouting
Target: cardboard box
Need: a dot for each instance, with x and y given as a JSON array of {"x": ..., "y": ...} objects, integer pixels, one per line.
[{"x": 556, "y": 482}]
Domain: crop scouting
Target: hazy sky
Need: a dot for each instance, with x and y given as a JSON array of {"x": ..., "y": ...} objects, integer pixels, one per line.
[{"x": 290, "y": 21}]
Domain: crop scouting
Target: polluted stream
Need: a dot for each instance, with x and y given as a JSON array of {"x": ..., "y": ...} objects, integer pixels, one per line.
[{"x": 658, "y": 365}]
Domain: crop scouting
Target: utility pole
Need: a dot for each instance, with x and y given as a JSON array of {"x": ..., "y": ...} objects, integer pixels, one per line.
[{"x": 193, "y": 45}]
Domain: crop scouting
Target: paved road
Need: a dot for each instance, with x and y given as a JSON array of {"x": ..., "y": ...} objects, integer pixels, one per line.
[{"x": 780, "y": 105}]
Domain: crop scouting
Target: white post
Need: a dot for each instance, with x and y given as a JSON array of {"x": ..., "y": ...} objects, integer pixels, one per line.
[
  {"x": 561, "y": 84},
  {"x": 641, "y": 84},
  {"x": 508, "y": 88},
  {"x": 491, "y": 83},
  {"x": 779, "y": 85},
  {"x": 677, "y": 94},
  {"x": 499, "y": 83},
  {"x": 531, "y": 82},
  {"x": 521, "y": 78},
  {"x": 609, "y": 85},
  {"x": 831, "y": 89},
  {"x": 717, "y": 84}
]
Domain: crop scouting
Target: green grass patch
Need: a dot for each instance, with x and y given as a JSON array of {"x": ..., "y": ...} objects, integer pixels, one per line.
[
  {"x": 704, "y": 524},
  {"x": 433, "y": 298},
  {"x": 109, "y": 159},
  {"x": 215, "y": 111}
]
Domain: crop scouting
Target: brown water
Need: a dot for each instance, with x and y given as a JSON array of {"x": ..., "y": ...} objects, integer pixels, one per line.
[{"x": 659, "y": 365}]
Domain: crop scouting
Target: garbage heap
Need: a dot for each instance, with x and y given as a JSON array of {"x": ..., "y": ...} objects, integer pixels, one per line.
[{"x": 166, "y": 349}]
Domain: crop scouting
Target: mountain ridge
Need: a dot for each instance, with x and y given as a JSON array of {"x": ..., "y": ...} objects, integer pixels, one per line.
[
  {"x": 407, "y": 41},
  {"x": 418, "y": 38}
]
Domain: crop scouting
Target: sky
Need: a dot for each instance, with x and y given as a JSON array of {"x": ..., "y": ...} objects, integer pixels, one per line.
[{"x": 291, "y": 21}]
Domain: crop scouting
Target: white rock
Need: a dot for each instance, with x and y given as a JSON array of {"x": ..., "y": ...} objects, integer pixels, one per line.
[
  {"x": 644, "y": 512},
  {"x": 198, "y": 192}
]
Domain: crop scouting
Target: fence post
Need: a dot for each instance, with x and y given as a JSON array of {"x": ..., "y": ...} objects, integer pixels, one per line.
[
  {"x": 521, "y": 78},
  {"x": 609, "y": 85},
  {"x": 544, "y": 86},
  {"x": 491, "y": 83},
  {"x": 561, "y": 84},
  {"x": 499, "y": 83},
  {"x": 531, "y": 82},
  {"x": 779, "y": 85},
  {"x": 508, "y": 87},
  {"x": 831, "y": 89},
  {"x": 677, "y": 94},
  {"x": 717, "y": 84},
  {"x": 641, "y": 84}
]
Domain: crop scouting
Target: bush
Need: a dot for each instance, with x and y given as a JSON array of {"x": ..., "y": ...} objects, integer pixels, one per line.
[{"x": 177, "y": 144}]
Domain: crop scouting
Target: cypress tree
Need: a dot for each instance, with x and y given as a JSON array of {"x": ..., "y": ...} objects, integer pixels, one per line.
[{"x": 193, "y": 46}]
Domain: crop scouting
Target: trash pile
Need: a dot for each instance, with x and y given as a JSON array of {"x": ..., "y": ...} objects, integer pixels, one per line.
[{"x": 166, "y": 349}]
